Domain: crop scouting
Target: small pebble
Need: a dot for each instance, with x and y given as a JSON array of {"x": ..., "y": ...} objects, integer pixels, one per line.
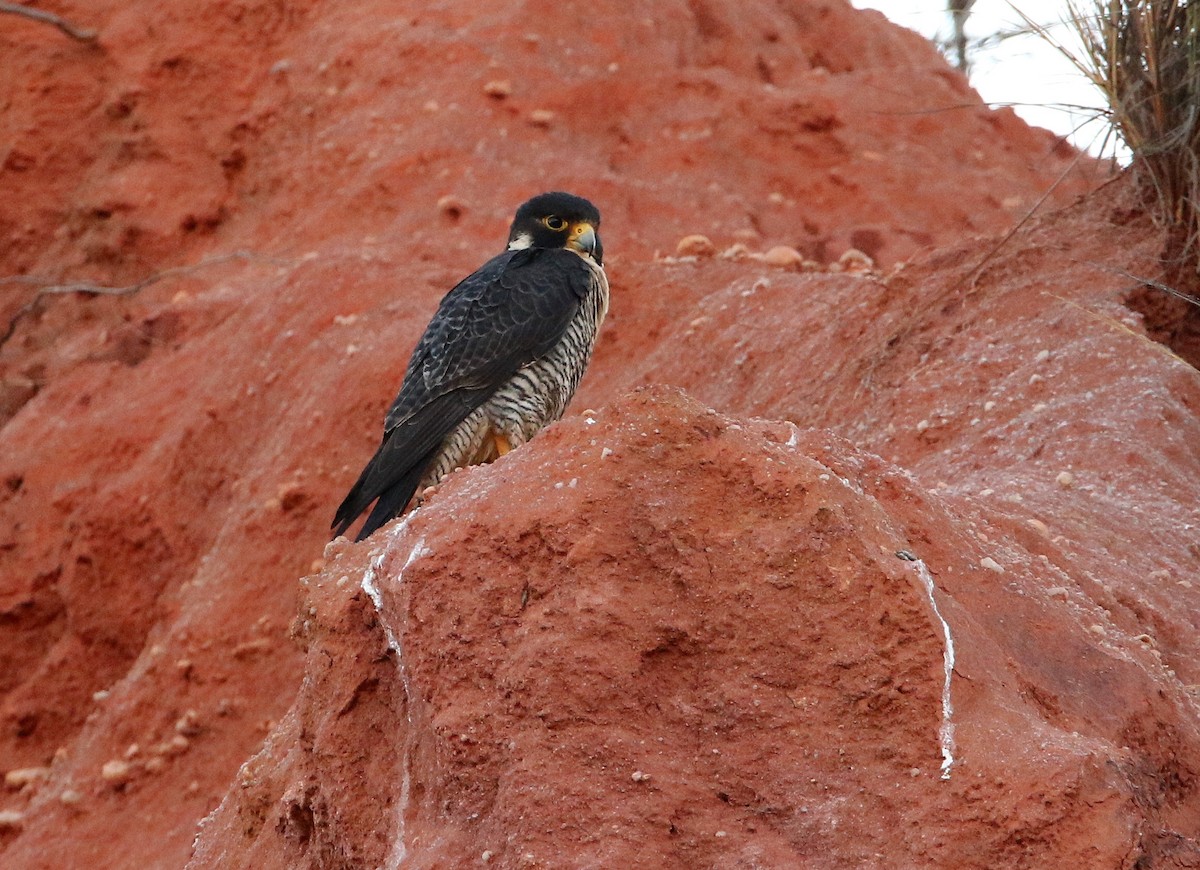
[
  {"x": 1064, "y": 479},
  {"x": 23, "y": 776},
  {"x": 783, "y": 257},
  {"x": 451, "y": 206},
  {"x": 695, "y": 245},
  {"x": 11, "y": 820},
  {"x": 116, "y": 771},
  {"x": 188, "y": 723},
  {"x": 991, "y": 564},
  {"x": 854, "y": 260},
  {"x": 638, "y": 776},
  {"x": 70, "y": 797},
  {"x": 541, "y": 117},
  {"x": 1038, "y": 526},
  {"x": 498, "y": 88}
]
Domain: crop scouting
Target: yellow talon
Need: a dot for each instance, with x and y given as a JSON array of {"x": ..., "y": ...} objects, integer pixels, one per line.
[{"x": 503, "y": 445}]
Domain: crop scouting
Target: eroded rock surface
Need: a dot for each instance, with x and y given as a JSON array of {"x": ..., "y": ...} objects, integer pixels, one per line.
[
  {"x": 285, "y": 191},
  {"x": 710, "y": 642}
]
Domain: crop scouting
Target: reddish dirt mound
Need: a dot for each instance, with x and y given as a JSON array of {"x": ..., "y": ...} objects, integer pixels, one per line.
[
  {"x": 289, "y": 189},
  {"x": 697, "y": 640}
]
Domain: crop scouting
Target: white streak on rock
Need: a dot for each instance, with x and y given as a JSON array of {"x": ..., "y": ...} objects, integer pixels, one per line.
[
  {"x": 370, "y": 587},
  {"x": 418, "y": 551},
  {"x": 399, "y": 850},
  {"x": 946, "y": 732}
]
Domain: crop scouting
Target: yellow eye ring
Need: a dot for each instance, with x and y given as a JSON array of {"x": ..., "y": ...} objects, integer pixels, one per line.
[{"x": 554, "y": 222}]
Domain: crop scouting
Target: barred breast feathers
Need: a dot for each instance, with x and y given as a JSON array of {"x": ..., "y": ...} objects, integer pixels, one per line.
[{"x": 537, "y": 395}]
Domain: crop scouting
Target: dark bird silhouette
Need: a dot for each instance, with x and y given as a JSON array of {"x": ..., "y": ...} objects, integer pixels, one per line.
[{"x": 500, "y": 359}]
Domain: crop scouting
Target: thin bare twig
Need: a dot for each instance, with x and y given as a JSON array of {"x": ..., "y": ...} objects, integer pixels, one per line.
[
  {"x": 47, "y": 287},
  {"x": 80, "y": 33},
  {"x": 967, "y": 280},
  {"x": 1145, "y": 282},
  {"x": 1115, "y": 325},
  {"x": 974, "y": 274},
  {"x": 959, "y": 12}
]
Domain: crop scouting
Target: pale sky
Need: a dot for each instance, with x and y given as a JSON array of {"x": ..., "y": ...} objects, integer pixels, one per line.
[{"x": 1041, "y": 85}]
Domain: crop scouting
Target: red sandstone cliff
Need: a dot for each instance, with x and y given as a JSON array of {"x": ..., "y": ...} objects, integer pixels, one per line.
[{"x": 680, "y": 632}]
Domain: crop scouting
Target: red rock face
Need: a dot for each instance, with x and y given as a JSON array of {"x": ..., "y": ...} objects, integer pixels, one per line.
[
  {"x": 708, "y": 646},
  {"x": 675, "y": 636}
]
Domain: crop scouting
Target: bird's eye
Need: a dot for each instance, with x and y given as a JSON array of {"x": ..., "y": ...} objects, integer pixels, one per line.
[{"x": 555, "y": 223}]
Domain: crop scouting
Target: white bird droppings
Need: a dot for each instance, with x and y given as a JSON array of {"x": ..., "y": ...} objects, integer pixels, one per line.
[{"x": 946, "y": 731}]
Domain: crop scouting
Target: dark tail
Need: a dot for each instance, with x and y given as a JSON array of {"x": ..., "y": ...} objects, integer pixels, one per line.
[
  {"x": 392, "y": 501},
  {"x": 391, "y": 475},
  {"x": 395, "y": 499}
]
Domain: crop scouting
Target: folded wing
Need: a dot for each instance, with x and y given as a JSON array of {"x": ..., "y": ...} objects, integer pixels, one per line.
[{"x": 510, "y": 312}]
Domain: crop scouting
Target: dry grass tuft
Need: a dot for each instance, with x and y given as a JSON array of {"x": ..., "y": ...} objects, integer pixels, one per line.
[{"x": 1144, "y": 55}]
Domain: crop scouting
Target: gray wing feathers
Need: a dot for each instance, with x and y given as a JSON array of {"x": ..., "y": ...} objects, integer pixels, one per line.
[{"x": 512, "y": 311}]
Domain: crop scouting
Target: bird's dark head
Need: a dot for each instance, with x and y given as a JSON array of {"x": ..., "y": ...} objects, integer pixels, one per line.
[{"x": 558, "y": 220}]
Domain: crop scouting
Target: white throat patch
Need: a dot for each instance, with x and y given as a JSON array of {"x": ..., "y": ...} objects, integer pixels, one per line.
[{"x": 521, "y": 242}]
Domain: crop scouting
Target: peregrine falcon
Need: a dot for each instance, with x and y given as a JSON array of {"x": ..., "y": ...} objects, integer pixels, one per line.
[{"x": 499, "y": 360}]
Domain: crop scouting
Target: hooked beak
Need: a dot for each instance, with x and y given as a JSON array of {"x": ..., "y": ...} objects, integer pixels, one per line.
[{"x": 583, "y": 238}]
